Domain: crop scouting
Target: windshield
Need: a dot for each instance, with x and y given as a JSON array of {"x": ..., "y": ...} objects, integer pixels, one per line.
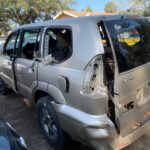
[{"x": 131, "y": 40}]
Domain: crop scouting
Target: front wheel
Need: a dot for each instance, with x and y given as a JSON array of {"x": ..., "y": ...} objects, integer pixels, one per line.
[{"x": 50, "y": 125}]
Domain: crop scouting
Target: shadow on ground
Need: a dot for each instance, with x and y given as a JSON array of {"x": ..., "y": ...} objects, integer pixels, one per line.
[{"x": 23, "y": 117}]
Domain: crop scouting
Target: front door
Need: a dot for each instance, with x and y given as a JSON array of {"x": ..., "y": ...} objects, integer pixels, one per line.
[
  {"x": 26, "y": 65},
  {"x": 8, "y": 58}
]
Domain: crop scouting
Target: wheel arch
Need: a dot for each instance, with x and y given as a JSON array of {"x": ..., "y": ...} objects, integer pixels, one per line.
[
  {"x": 45, "y": 89},
  {"x": 39, "y": 94}
]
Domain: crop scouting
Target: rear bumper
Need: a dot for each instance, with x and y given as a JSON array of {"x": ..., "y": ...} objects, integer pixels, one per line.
[
  {"x": 123, "y": 142},
  {"x": 90, "y": 130},
  {"x": 94, "y": 131}
]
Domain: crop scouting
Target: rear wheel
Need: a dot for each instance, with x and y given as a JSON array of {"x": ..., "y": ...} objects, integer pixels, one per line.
[{"x": 50, "y": 125}]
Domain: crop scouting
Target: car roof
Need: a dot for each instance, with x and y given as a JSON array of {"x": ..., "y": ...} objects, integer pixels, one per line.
[{"x": 78, "y": 20}]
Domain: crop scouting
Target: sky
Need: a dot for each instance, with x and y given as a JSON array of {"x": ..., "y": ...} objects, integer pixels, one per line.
[{"x": 96, "y": 5}]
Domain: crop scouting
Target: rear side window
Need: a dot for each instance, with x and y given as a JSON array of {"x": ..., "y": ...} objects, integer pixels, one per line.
[{"x": 58, "y": 43}]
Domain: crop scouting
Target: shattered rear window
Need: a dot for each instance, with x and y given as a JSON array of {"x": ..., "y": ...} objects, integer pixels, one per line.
[{"x": 131, "y": 40}]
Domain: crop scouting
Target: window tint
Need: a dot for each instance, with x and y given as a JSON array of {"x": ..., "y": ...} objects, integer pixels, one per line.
[
  {"x": 30, "y": 44},
  {"x": 131, "y": 40},
  {"x": 10, "y": 44},
  {"x": 58, "y": 43}
]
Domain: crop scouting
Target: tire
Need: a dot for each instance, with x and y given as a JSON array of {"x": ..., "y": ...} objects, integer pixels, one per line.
[
  {"x": 50, "y": 124},
  {"x": 3, "y": 89}
]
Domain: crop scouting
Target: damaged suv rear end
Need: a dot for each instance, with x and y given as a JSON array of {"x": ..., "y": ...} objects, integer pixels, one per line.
[
  {"x": 110, "y": 106},
  {"x": 118, "y": 80}
]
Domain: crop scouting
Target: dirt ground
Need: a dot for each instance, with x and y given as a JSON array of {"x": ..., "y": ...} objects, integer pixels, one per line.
[{"x": 23, "y": 118}]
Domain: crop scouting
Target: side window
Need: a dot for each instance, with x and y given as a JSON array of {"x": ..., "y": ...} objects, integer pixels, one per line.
[
  {"x": 58, "y": 43},
  {"x": 10, "y": 44},
  {"x": 30, "y": 48}
]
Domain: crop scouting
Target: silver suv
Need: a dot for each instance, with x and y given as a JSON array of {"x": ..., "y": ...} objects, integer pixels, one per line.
[{"x": 88, "y": 77}]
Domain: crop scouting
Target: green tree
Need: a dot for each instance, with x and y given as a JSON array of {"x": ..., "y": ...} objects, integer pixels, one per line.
[
  {"x": 28, "y": 11},
  {"x": 88, "y": 9},
  {"x": 4, "y": 25},
  {"x": 111, "y": 7},
  {"x": 141, "y": 7}
]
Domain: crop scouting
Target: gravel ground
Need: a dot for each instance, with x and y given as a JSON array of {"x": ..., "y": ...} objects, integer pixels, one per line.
[{"x": 23, "y": 118}]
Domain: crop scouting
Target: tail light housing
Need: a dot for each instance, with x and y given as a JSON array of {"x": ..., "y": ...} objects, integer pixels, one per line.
[{"x": 92, "y": 80}]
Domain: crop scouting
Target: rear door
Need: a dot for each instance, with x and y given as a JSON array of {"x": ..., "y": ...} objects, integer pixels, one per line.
[
  {"x": 26, "y": 65},
  {"x": 131, "y": 46}
]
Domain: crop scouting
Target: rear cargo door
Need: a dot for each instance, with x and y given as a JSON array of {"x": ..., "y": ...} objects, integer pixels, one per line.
[
  {"x": 130, "y": 40},
  {"x": 132, "y": 100}
]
